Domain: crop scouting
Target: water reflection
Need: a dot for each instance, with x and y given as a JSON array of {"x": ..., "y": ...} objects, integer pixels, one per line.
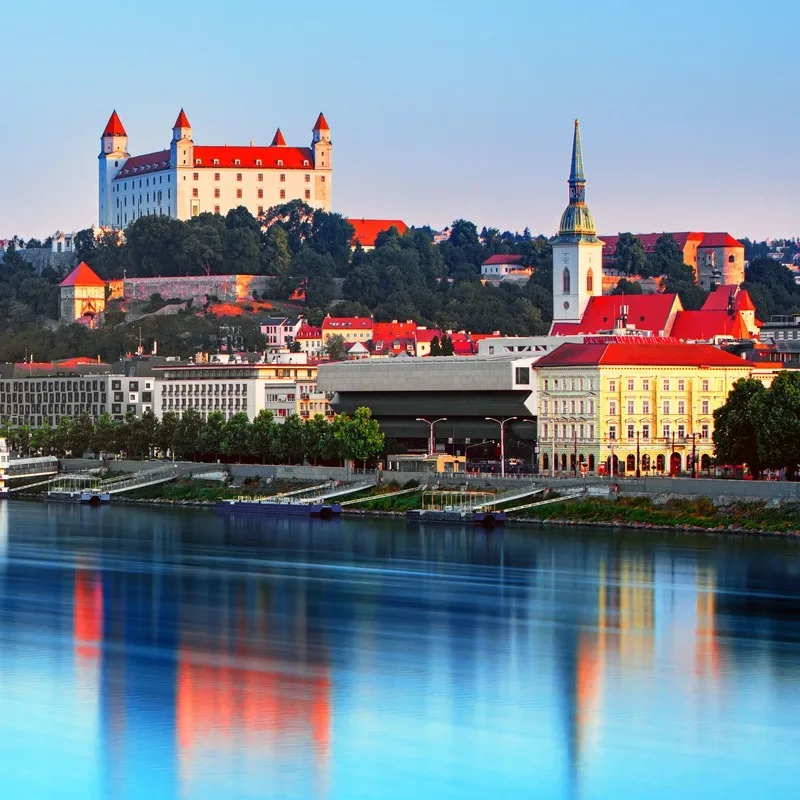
[{"x": 174, "y": 654}]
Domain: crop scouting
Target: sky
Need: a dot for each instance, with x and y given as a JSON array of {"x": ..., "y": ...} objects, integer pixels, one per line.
[{"x": 439, "y": 110}]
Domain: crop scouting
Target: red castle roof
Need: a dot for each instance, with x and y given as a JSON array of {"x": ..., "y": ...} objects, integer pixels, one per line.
[
  {"x": 149, "y": 162},
  {"x": 182, "y": 121},
  {"x": 290, "y": 157},
  {"x": 649, "y": 312},
  {"x": 83, "y": 275},
  {"x": 705, "y": 324},
  {"x": 639, "y": 355},
  {"x": 321, "y": 124},
  {"x": 718, "y": 299},
  {"x": 278, "y": 140},
  {"x": 720, "y": 240},
  {"x": 367, "y": 230},
  {"x": 114, "y": 126}
]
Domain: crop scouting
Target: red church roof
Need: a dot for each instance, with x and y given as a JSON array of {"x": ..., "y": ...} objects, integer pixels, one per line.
[
  {"x": 367, "y": 230},
  {"x": 705, "y": 325},
  {"x": 182, "y": 121},
  {"x": 624, "y": 354},
  {"x": 718, "y": 299},
  {"x": 321, "y": 124},
  {"x": 649, "y": 312},
  {"x": 278, "y": 140},
  {"x": 83, "y": 275},
  {"x": 114, "y": 126}
]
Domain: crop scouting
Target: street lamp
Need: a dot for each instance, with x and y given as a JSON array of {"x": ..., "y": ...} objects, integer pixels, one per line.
[
  {"x": 432, "y": 440},
  {"x": 502, "y": 423}
]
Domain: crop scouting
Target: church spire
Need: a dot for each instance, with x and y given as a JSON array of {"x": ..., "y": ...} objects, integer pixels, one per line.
[{"x": 576, "y": 221}]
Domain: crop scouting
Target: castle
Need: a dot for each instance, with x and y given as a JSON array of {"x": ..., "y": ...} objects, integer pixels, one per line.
[{"x": 186, "y": 179}]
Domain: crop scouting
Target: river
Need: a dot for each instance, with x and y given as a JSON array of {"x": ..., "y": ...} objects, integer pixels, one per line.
[{"x": 148, "y": 653}]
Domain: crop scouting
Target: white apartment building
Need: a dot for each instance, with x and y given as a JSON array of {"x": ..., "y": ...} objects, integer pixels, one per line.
[{"x": 186, "y": 179}]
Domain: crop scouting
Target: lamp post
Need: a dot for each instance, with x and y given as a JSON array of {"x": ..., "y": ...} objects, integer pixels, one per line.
[
  {"x": 502, "y": 423},
  {"x": 432, "y": 440}
]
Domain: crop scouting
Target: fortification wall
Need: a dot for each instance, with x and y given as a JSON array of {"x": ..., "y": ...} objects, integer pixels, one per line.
[
  {"x": 42, "y": 257},
  {"x": 227, "y": 288}
]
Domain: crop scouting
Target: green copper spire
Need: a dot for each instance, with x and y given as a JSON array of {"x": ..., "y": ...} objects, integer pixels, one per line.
[{"x": 577, "y": 224}]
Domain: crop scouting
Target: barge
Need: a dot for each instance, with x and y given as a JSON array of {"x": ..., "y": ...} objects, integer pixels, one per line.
[{"x": 279, "y": 508}]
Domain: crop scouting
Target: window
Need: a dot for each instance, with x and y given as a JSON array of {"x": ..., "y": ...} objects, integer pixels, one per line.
[
  {"x": 216, "y": 164},
  {"x": 260, "y": 194},
  {"x": 545, "y": 431},
  {"x": 195, "y": 193},
  {"x": 665, "y": 385},
  {"x": 646, "y": 385},
  {"x": 631, "y": 407},
  {"x": 581, "y": 406},
  {"x": 238, "y": 176},
  {"x": 308, "y": 178},
  {"x": 704, "y": 385},
  {"x": 563, "y": 406},
  {"x": 630, "y": 384},
  {"x": 665, "y": 407},
  {"x": 704, "y": 431},
  {"x": 283, "y": 177},
  {"x": 216, "y": 209},
  {"x": 195, "y": 176},
  {"x": 546, "y": 384},
  {"x": 645, "y": 406},
  {"x": 631, "y": 432},
  {"x": 260, "y": 210},
  {"x": 681, "y": 407},
  {"x": 612, "y": 408},
  {"x": 522, "y": 375},
  {"x": 305, "y": 162},
  {"x": 591, "y": 406},
  {"x": 308, "y": 194},
  {"x": 704, "y": 407},
  {"x": 572, "y": 384},
  {"x": 260, "y": 174},
  {"x": 216, "y": 176},
  {"x": 645, "y": 431},
  {"x": 545, "y": 406},
  {"x": 236, "y": 163},
  {"x": 590, "y": 281},
  {"x": 283, "y": 194},
  {"x": 238, "y": 193},
  {"x": 681, "y": 431},
  {"x": 216, "y": 192},
  {"x": 681, "y": 385},
  {"x": 565, "y": 281},
  {"x": 612, "y": 432},
  {"x": 580, "y": 384},
  {"x": 612, "y": 386}
]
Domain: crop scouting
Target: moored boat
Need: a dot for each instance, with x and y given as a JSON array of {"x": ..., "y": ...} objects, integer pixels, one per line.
[{"x": 276, "y": 507}]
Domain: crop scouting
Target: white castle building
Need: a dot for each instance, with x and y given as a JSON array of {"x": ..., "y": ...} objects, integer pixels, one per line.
[{"x": 187, "y": 179}]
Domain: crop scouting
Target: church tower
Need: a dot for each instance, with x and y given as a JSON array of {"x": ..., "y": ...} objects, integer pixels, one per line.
[
  {"x": 577, "y": 252},
  {"x": 113, "y": 155}
]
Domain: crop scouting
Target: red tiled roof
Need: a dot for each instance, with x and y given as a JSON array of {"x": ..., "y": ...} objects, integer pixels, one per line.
[
  {"x": 149, "y": 162},
  {"x": 114, "y": 126},
  {"x": 182, "y": 121},
  {"x": 290, "y": 157},
  {"x": 427, "y": 334},
  {"x": 640, "y": 355},
  {"x": 462, "y": 344},
  {"x": 278, "y": 140},
  {"x": 367, "y": 230},
  {"x": 649, "y": 240},
  {"x": 394, "y": 330},
  {"x": 650, "y": 312},
  {"x": 83, "y": 275},
  {"x": 347, "y": 323},
  {"x": 308, "y": 332},
  {"x": 502, "y": 260},
  {"x": 706, "y": 324},
  {"x": 720, "y": 240},
  {"x": 719, "y": 298},
  {"x": 321, "y": 124}
]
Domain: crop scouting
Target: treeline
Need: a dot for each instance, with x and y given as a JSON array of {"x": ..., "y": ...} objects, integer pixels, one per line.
[
  {"x": 760, "y": 426},
  {"x": 189, "y": 436}
]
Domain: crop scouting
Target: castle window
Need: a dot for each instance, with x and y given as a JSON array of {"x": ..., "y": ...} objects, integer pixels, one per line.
[
  {"x": 216, "y": 192},
  {"x": 195, "y": 192},
  {"x": 308, "y": 178},
  {"x": 236, "y": 162},
  {"x": 238, "y": 193},
  {"x": 260, "y": 174},
  {"x": 283, "y": 177},
  {"x": 260, "y": 210},
  {"x": 283, "y": 194},
  {"x": 197, "y": 161},
  {"x": 308, "y": 194},
  {"x": 216, "y": 209},
  {"x": 260, "y": 193},
  {"x": 590, "y": 281},
  {"x": 195, "y": 176},
  {"x": 238, "y": 176},
  {"x": 216, "y": 163},
  {"x": 730, "y": 259},
  {"x": 216, "y": 176},
  {"x": 322, "y": 179},
  {"x": 258, "y": 162},
  {"x": 565, "y": 281},
  {"x": 280, "y": 162},
  {"x": 305, "y": 163}
]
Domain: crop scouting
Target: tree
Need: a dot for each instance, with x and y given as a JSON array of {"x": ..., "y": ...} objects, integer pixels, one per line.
[
  {"x": 237, "y": 439},
  {"x": 187, "y": 435},
  {"x": 168, "y": 433},
  {"x": 666, "y": 258},
  {"x": 290, "y": 435},
  {"x": 264, "y": 435},
  {"x": 436, "y": 347},
  {"x": 777, "y": 416},
  {"x": 447, "y": 345},
  {"x": 336, "y": 347},
  {"x": 212, "y": 433},
  {"x": 318, "y": 441},
  {"x": 736, "y": 428},
  {"x": 627, "y": 287},
  {"x": 104, "y": 435},
  {"x": 79, "y": 439},
  {"x": 360, "y": 438},
  {"x": 629, "y": 256}
]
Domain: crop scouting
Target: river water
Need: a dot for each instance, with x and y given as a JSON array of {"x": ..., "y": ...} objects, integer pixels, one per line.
[{"x": 172, "y": 654}]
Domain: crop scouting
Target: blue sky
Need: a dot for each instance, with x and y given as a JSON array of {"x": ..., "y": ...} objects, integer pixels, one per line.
[{"x": 438, "y": 110}]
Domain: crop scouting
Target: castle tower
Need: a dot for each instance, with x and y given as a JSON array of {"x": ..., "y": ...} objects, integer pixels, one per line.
[
  {"x": 113, "y": 155},
  {"x": 323, "y": 172},
  {"x": 82, "y": 296},
  {"x": 181, "y": 156},
  {"x": 577, "y": 252}
]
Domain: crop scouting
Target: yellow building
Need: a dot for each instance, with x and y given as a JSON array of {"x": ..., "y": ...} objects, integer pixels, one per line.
[
  {"x": 82, "y": 296},
  {"x": 608, "y": 405}
]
